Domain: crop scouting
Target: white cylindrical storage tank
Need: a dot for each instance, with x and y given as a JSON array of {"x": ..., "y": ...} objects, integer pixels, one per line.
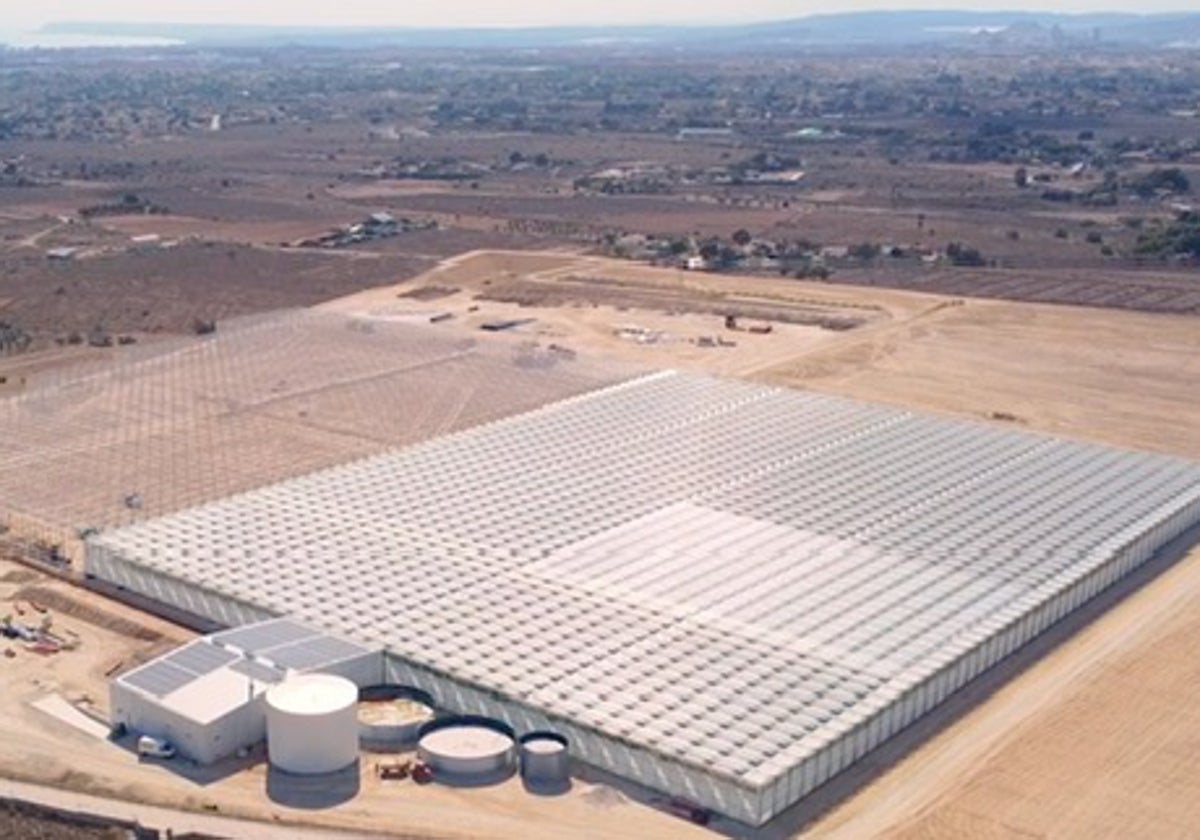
[
  {"x": 545, "y": 760},
  {"x": 391, "y": 717},
  {"x": 468, "y": 749},
  {"x": 312, "y": 724}
]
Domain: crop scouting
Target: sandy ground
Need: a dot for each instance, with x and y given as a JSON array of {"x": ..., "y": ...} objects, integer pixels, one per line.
[
  {"x": 178, "y": 227},
  {"x": 628, "y": 328},
  {"x": 1123, "y": 378},
  {"x": 36, "y": 745}
]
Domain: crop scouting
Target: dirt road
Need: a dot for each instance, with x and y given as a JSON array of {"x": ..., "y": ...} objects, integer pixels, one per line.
[{"x": 164, "y": 819}]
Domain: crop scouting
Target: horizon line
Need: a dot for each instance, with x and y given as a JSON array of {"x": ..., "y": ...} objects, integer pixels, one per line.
[{"x": 617, "y": 24}]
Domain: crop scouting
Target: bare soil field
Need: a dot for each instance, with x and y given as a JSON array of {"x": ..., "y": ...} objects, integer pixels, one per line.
[
  {"x": 1124, "y": 378},
  {"x": 263, "y": 185},
  {"x": 165, "y": 290},
  {"x": 1146, "y": 290},
  {"x": 598, "y": 213},
  {"x": 610, "y": 308},
  {"x": 1120, "y": 377}
]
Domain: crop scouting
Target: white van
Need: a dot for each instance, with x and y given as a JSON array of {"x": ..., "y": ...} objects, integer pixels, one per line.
[{"x": 150, "y": 747}]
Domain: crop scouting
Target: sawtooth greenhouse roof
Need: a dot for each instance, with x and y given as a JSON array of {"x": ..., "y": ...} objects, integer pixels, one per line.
[{"x": 724, "y": 590}]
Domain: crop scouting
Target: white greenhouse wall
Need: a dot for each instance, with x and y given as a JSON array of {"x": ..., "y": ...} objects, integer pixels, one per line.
[
  {"x": 112, "y": 568},
  {"x": 1019, "y": 629},
  {"x": 363, "y": 671}
]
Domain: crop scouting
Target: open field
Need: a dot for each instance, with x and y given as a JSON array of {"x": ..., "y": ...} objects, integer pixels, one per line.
[
  {"x": 164, "y": 291},
  {"x": 1119, "y": 377},
  {"x": 601, "y": 307},
  {"x": 1124, "y": 378}
]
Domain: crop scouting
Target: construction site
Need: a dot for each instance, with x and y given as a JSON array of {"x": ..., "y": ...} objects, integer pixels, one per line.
[{"x": 714, "y": 591}]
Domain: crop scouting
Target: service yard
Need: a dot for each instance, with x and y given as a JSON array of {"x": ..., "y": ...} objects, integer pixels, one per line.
[{"x": 67, "y": 746}]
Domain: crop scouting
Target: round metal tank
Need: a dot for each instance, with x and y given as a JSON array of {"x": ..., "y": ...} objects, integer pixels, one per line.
[
  {"x": 545, "y": 760},
  {"x": 390, "y": 717},
  {"x": 312, "y": 725},
  {"x": 468, "y": 750}
]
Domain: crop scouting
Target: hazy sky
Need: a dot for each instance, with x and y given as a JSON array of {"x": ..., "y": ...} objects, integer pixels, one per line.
[{"x": 15, "y": 14}]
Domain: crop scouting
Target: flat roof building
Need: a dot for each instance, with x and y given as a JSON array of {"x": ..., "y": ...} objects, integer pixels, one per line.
[{"x": 206, "y": 697}]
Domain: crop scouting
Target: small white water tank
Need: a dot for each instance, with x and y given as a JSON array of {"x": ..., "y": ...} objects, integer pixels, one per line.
[
  {"x": 467, "y": 749},
  {"x": 545, "y": 760},
  {"x": 312, "y": 725}
]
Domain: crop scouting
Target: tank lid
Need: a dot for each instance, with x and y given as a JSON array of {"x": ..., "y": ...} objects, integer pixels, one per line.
[
  {"x": 466, "y": 742},
  {"x": 543, "y": 742},
  {"x": 313, "y": 694}
]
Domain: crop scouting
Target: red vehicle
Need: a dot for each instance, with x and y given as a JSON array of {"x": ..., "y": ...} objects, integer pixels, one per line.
[{"x": 422, "y": 774}]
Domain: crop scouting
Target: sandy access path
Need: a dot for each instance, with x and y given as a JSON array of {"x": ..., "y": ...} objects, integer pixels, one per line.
[{"x": 162, "y": 819}]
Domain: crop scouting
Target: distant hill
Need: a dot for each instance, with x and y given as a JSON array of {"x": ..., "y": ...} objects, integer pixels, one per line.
[{"x": 830, "y": 30}]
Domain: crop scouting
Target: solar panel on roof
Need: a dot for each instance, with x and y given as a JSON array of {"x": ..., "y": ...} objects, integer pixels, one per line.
[
  {"x": 159, "y": 678},
  {"x": 200, "y": 658},
  {"x": 312, "y": 653},
  {"x": 258, "y": 637},
  {"x": 256, "y": 671}
]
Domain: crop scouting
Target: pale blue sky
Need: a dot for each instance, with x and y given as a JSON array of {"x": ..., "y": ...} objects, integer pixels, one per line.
[{"x": 16, "y": 14}]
